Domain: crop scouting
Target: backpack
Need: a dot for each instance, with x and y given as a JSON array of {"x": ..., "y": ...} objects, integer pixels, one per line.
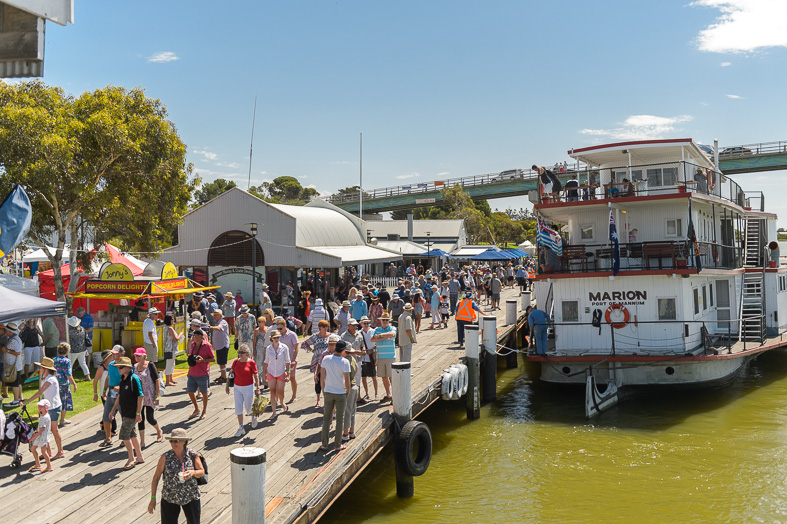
[{"x": 204, "y": 479}]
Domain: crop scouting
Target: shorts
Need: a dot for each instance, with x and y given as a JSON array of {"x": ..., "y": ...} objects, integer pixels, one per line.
[
  {"x": 128, "y": 428},
  {"x": 230, "y": 323},
  {"x": 109, "y": 404},
  {"x": 271, "y": 378},
  {"x": 510, "y": 279},
  {"x": 152, "y": 352},
  {"x": 17, "y": 382},
  {"x": 521, "y": 281},
  {"x": 54, "y": 414},
  {"x": 197, "y": 383},
  {"x": 32, "y": 354},
  {"x": 495, "y": 297},
  {"x": 368, "y": 369},
  {"x": 384, "y": 367},
  {"x": 222, "y": 355}
]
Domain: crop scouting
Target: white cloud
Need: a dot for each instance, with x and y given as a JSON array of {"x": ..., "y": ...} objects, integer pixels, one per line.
[
  {"x": 735, "y": 97},
  {"x": 443, "y": 173},
  {"x": 206, "y": 154},
  {"x": 163, "y": 57},
  {"x": 207, "y": 173},
  {"x": 641, "y": 127},
  {"x": 744, "y": 25},
  {"x": 341, "y": 162},
  {"x": 233, "y": 165},
  {"x": 409, "y": 175},
  {"x": 725, "y": 64}
]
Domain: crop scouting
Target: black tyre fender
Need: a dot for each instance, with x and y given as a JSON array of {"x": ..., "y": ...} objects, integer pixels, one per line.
[{"x": 414, "y": 432}]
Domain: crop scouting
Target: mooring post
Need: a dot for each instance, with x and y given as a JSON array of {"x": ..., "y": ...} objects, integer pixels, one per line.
[
  {"x": 402, "y": 406},
  {"x": 473, "y": 372},
  {"x": 247, "y": 474},
  {"x": 525, "y": 297},
  {"x": 490, "y": 358},
  {"x": 511, "y": 360}
]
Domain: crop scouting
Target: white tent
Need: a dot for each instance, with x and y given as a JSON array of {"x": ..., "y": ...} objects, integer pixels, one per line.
[
  {"x": 528, "y": 247},
  {"x": 38, "y": 255},
  {"x": 15, "y": 307},
  {"x": 19, "y": 284}
]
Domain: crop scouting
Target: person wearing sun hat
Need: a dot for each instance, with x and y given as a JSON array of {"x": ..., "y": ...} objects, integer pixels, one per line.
[
  {"x": 129, "y": 403},
  {"x": 78, "y": 339},
  {"x": 276, "y": 369},
  {"x": 220, "y": 339},
  {"x": 228, "y": 308},
  {"x": 180, "y": 467},
  {"x": 14, "y": 357},
  {"x": 150, "y": 335},
  {"x": 383, "y": 338},
  {"x": 49, "y": 390}
]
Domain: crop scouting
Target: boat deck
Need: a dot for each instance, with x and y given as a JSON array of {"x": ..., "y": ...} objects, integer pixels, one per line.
[{"x": 89, "y": 485}]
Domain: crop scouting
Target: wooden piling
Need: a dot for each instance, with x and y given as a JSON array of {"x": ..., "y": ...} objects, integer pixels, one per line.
[
  {"x": 490, "y": 358},
  {"x": 473, "y": 372},
  {"x": 402, "y": 406},
  {"x": 511, "y": 358}
]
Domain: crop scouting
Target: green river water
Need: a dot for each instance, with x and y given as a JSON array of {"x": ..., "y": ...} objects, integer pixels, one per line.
[{"x": 712, "y": 455}]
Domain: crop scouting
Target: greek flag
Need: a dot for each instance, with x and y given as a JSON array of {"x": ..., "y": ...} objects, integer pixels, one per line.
[
  {"x": 15, "y": 217},
  {"x": 550, "y": 238},
  {"x": 613, "y": 238}
]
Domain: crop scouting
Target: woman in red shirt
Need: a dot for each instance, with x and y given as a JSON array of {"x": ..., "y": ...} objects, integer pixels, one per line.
[{"x": 247, "y": 384}]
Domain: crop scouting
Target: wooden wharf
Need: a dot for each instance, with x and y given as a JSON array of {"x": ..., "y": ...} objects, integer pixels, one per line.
[{"x": 89, "y": 485}]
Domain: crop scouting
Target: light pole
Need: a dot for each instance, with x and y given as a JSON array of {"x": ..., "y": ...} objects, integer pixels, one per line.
[
  {"x": 429, "y": 248},
  {"x": 253, "y": 226}
]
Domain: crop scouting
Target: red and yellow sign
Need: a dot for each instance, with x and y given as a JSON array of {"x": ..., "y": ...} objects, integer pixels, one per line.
[
  {"x": 115, "y": 272},
  {"x": 170, "y": 285},
  {"x": 169, "y": 271},
  {"x": 119, "y": 287}
]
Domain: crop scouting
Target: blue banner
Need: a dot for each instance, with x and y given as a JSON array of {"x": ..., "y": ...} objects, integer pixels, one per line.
[
  {"x": 546, "y": 236},
  {"x": 613, "y": 237},
  {"x": 15, "y": 217}
]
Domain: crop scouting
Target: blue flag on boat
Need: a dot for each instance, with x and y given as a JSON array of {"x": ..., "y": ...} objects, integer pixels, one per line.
[
  {"x": 15, "y": 217},
  {"x": 613, "y": 237},
  {"x": 546, "y": 236},
  {"x": 692, "y": 244}
]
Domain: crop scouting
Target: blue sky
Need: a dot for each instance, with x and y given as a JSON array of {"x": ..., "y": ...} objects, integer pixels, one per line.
[{"x": 440, "y": 88}]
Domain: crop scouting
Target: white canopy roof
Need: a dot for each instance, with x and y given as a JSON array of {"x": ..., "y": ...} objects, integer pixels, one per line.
[
  {"x": 18, "y": 306},
  {"x": 469, "y": 251},
  {"x": 404, "y": 247},
  {"x": 356, "y": 254},
  {"x": 19, "y": 284}
]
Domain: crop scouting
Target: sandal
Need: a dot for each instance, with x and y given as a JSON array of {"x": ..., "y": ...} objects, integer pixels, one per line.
[
  {"x": 324, "y": 448},
  {"x": 340, "y": 448},
  {"x": 128, "y": 466},
  {"x": 33, "y": 469},
  {"x": 105, "y": 443},
  {"x": 195, "y": 414}
]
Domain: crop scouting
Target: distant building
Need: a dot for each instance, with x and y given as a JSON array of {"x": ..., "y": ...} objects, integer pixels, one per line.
[{"x": 448, "y": 235}]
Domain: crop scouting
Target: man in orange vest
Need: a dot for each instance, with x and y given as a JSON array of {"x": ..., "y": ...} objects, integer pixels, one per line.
[{"x": 465, "y": 314}]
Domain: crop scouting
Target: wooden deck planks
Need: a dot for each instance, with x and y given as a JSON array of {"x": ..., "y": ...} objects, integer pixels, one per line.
[{"x": 91, "y": 486}]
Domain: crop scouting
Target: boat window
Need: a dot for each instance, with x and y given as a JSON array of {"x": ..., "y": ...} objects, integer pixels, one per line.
[
  {"x": 674, "y": 227},
  {"x": 667, "y": 309},
  {"x": 654, "y": 177},
  {"x": 636, "y": 175},
  {"x": 570, "y": 310},
  {"x": 704, "y": 298},
  {"x": 670, "y": 176},
  {"x": 586, "y": 232},
  {"x": 696, "y": 301}
]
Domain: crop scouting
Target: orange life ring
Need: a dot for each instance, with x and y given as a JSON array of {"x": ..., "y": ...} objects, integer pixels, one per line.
[
  {"x": 711, "y": 179},
  {"x": 622, "y": 308}
]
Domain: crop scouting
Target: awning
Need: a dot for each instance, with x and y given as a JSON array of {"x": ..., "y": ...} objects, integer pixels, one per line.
[
  {"x": 493, "y": 254},
  {"x": 519, "y": 253},
  {"x": 468, "y": 252},
  {"x": 434, "y": 253},
  {"x": 357, "y": 254},
  {"x": 18, "y": 306}
]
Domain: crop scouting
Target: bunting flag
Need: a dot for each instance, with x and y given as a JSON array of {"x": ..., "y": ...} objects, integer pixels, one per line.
[
  {"x": 16, "y": 215},
  {"x": 550, "y": 238},
  {"x": 692, "y": 243},
  {"x": 613, "y": 238}
]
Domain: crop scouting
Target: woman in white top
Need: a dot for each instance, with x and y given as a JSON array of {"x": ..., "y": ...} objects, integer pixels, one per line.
[
  {"x": 262, "y": 340},
  {"x": 277, "y": 370},
  {"x": 50, "y": 390}
]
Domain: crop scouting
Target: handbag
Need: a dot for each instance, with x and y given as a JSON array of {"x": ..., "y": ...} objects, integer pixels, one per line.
[
  {"x": 168, "y": 355},
  {"x": 204, "y": 479},
  {"x": 9, "y": 373},
  {"x": 231, "y": 375}
]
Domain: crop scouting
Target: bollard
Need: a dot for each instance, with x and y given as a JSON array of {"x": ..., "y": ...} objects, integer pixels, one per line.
[
  {"x": 525, "y": 297},
  {"x": 490, "y": 358},
  {"x": 510, "y": 312},
  {"x": 402, "y": 406},
  {"x": 473, "y": 372},
  {"x": 247, "y": 473},
  {"x": 400, "y": 384}
]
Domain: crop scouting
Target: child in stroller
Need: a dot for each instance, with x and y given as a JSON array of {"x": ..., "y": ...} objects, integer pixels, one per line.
[{"x": 15, "y": 431}]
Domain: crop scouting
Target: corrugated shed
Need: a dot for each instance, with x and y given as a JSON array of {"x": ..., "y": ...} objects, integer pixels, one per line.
[{"x": 321, "y": 227}]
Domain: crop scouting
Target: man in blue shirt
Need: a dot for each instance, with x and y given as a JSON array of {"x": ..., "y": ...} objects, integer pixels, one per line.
[
  {"x": 539, "y": 323},
  {"x": 359, "y": 308},
  {"x": 384, "y": 337},
  {"x": 86, "y": 321}
]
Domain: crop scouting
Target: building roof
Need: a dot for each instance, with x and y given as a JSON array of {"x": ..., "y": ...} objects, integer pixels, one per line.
[
  {"x": 321, "y": 227},
  {"x": 404, "y": 247},
  {"x": 449, "y": 228}
]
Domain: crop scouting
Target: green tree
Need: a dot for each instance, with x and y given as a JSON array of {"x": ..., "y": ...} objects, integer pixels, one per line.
[
  {"x": 284, "y": 190},
  {"x": 108, "y": 160},
  {"x": 211, "y": 190}
]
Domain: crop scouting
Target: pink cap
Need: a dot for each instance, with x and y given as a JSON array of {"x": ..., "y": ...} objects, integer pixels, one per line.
[{"x": 140, "y": 351}]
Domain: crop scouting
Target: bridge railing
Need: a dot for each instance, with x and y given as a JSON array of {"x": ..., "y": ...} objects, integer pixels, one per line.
[
  {"x": 646, "y": 179},
  {"x": 762, "y": 148},
  {"x": 437, "y": 185}
]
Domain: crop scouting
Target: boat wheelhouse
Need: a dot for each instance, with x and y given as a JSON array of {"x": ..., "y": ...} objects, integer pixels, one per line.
[{"x": 697, "y": 291}]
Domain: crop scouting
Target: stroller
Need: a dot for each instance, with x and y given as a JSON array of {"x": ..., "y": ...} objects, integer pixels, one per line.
[{"x": 15, "y": 431}]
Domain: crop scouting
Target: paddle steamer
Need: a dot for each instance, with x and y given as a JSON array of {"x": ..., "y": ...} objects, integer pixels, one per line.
[{"x": 692, "y": 291}]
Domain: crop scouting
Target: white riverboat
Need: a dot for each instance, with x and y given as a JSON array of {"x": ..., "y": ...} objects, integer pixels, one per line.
[{"x": 682, "y": 308}]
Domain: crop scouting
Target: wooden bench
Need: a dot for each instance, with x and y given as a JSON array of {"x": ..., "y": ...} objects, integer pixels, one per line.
[
  {"x": 574, "y": 254},
  {"x": 659, "y": 251}
]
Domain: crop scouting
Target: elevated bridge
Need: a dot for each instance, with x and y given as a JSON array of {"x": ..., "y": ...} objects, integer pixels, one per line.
[{"x": 749, "y": 158}]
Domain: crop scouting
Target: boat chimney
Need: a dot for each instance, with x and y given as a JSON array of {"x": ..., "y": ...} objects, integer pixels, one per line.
[
  {"x": 716, "y": 153},
  {"x": 410, "y": 227}
]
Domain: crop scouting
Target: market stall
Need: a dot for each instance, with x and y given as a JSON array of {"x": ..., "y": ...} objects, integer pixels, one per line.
[{"x": 158, "y": 283}]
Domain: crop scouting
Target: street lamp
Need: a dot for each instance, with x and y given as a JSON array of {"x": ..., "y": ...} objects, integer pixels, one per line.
[
  {"x": 429, "y": 248},
  {"x": 253, "y": 227}
]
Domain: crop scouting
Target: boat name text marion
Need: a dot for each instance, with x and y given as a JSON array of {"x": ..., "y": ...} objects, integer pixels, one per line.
[{"x": 625, "y": 298}]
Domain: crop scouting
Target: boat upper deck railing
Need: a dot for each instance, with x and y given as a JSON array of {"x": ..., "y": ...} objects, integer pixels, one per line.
[
  {"x": 645, "y": 180},
  {"x": 638, "y": 256}
]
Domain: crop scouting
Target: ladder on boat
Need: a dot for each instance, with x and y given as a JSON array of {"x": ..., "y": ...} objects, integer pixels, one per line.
[{"x": 753, "y": 296}]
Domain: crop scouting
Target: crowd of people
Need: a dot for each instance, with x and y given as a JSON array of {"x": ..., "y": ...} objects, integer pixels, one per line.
[{"x": 351, "y": 340}]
